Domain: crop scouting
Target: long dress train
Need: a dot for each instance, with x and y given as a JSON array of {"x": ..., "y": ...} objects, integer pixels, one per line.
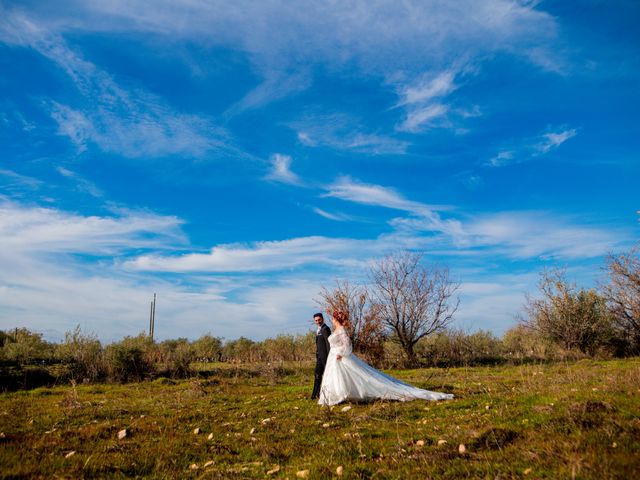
[{"x": 353, "y": 379}]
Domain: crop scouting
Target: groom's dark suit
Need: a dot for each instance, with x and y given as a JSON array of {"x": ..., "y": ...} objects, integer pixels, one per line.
[{"x": 322, "y": 352}]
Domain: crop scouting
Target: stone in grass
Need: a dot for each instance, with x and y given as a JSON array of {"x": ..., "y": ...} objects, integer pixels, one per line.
[
  {"x": 196, "y": 431},
  {"x": 302, "y": 473},
  {"x": 340, "y": 470},
  {"x": 441, "y": 442},
  {"x": 345, "y": 409},
  {"x": 122, "y": 433},
  {"x": 462, "y": 449},
  {"x": 420, "y": 443},
  {"x": 193, "y": 466},
  {"x": 275, "y": 469},
  {"x": 210, "y": 437}
]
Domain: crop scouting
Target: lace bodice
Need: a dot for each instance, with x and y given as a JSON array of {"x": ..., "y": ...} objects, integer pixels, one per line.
[{"x": 340, "y": 342}]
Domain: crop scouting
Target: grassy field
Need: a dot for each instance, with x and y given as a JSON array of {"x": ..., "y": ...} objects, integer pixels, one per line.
[{"x": 573, "y": 420}]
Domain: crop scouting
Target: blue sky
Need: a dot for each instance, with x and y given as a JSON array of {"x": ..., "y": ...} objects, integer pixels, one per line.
[{"x": 235, "y": 157}]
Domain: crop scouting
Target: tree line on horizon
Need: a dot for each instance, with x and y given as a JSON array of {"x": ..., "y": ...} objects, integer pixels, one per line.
[{"x": 401, "y": 318}]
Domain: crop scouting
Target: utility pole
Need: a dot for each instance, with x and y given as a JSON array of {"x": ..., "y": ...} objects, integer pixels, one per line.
[
  {"x": 152, "y": 317},
  {"x": 153, "y": 323}
]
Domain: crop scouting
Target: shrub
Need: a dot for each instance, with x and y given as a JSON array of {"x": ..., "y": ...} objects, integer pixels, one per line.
[
  {"x": 208, "y": 348},
  {"x": 242, "y": 350},
  {"x": 287, "y": 348},
  {"x": 576, "y": 319},
  {"x": 454, "y": 347},
  {"x": 83, "y": 354},
  {"x": 177, "y": 357},
  {"x": 26, "y": 347},
  {"x": 522, "y": 343},
  {"x": 130, "y": 359}
]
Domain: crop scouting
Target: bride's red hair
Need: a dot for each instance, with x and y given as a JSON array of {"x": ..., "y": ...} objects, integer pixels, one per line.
[{"x": 342, "y": 318}]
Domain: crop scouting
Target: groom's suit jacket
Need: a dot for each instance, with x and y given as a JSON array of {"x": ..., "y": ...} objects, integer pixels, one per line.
[{"x": 322, "y": 344}]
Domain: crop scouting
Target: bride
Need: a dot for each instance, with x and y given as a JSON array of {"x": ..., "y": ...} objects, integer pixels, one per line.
[{"x": 346, "y": 377}]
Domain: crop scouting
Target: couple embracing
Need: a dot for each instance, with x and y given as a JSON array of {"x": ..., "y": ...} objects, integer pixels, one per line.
[{"x": 340, "y": 375}]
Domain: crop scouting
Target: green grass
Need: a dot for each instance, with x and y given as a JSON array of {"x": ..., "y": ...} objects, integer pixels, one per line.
[{"x": 578, "y": 419}]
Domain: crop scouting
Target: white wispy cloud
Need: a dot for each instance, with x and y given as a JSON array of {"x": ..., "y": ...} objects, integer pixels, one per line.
[
  {"x": 535, "y": 235},
  {"x": 423, "y": 217},
  {"x": 345, "y": 132},
  {"x": 11, "y": 180},
  {"x": 281, "y": 170},
  {"x": 256, "y": 257},
  {"x": 41, "y": 230},
  {"x": 428, "y": 103},
  {"x": 370, "y": 194},
  {"x": 338, "y": 217},
  {"x": 530, "y": 148},
  {"x": 381, "y": 39},
  {"x": 423, "y": 101},
  {"x": 131, "y": 122},
  {"x": 328, "y": 136},
  {"x": 427, "y": 88},
  {"x": 553, "y": 140},
  {"x": 82, "y": 184},
  {"x": 419, "y": 117}
]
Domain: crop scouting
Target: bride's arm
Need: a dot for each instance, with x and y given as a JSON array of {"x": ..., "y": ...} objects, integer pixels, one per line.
[{"x": 342, "y": 345}]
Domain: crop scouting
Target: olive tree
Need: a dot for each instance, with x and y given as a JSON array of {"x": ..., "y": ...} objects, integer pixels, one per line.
[{"x": 415, "y": 301}]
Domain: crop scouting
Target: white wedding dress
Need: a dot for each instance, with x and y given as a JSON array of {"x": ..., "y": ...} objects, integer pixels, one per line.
[{"x": 352, "y": 379}]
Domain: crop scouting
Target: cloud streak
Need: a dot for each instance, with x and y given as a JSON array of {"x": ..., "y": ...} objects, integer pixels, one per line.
[
  {"x": 532, "y": 147},
  {"x": 533, "y": 235},
  {"x": 378, "y": 38},
  {"x": 423, "y": 217},
  {"x": 281, "y": 170},
  {"x": 133, "y": 123},
  {"x": 341, "y": 132},
  {"x": 48, "y": 231},
  {"x": 423, "y": 101},
  {"x": 257, "y": 257}
]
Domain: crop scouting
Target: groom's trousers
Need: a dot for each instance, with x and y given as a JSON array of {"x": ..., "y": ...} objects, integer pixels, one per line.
[{"x": 320, "y": 364}]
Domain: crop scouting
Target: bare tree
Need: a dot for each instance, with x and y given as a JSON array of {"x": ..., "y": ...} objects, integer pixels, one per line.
[
  {"x": 623, "y": 295},
  {"x": 366, "y": 330},
  {"x": 576, "y": 319},
  {"x": 414, "y": 301}
]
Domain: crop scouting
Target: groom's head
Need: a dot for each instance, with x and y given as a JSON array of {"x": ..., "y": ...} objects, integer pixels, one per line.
[{"x": 318, "y": 319}]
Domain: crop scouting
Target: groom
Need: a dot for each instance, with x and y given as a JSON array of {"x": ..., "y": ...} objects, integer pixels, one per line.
[{"x": 322, "y": 352}]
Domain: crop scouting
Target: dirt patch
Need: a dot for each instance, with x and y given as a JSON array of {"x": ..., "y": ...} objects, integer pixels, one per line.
[{"x": 494, "y": 439}]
